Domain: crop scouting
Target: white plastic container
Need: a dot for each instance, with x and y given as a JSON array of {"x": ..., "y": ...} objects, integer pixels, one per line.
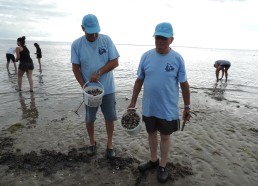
[
  {"x": 138, "y": 127},
  {"x": 91, "y": 100}
]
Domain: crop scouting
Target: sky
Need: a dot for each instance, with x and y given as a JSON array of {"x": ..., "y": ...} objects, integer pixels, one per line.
[{"x": 227, "y": 24}]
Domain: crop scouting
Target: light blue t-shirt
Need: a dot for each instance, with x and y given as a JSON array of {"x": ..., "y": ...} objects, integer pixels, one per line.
[
  {"x": 162, "y": 74},
  {"x": 91, "y": 56}
]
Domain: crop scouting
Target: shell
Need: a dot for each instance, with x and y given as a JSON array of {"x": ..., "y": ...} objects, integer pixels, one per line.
[
  {"x": 130, "y": 120},
  {"x": 94, "y": 92}
]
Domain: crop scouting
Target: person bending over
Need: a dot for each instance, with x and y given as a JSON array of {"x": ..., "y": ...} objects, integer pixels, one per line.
[{"x": 222, "y": 65}]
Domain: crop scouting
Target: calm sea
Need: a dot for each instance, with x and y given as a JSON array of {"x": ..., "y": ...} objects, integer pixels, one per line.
[{"x": 57, "y": 81}]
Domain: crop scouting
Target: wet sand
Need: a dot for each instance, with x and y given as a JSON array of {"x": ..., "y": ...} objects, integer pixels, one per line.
[{"x": 219, "y": 147}]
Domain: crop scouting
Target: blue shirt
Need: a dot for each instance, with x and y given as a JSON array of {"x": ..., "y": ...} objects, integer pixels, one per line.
[
  {"x": 162, "y": 74},
  {"x": 91, "y": 56}
]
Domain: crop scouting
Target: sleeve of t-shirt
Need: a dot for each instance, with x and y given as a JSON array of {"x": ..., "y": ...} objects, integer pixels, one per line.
[
  {"x": 140, "y": 71},
  {"x": 182, "y": 77},
  {"x": 74, "y": 54},
  {"x": 113, "y": 52}
]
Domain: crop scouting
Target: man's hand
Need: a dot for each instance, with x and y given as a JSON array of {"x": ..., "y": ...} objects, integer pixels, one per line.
[
  {"x": 186, "y": 114},
  {"x": 94, "y": 77}
]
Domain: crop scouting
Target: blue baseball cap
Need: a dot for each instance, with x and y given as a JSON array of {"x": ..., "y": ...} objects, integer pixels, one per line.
[
  {"x": 164, "y": 29},
  {"x": 91, "y": 24}
]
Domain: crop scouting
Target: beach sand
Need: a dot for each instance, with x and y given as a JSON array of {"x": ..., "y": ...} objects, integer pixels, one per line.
[{"x": 219, "y": 147}]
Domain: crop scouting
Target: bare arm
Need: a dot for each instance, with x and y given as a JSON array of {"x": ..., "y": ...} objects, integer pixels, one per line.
[
  {"x": 186, "y": 97},
  {"x": 112, "y": 64},
  {"x": 217, "y": 74},
  {"x": 136, "y": 90},
  {"x": 77, "y": 74},
  {"x": 18, "y": 49},
  {"x": 222, "y": 73}
]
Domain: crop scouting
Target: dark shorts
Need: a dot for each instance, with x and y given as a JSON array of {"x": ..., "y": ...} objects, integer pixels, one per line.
[
  {"x": 108, "y": 108},
  {"x": 24, "y": 66},
  {"x": 165, "y": 127},
  {"x": 10, "y": 57},
  {"x": 39, "y": 56}
]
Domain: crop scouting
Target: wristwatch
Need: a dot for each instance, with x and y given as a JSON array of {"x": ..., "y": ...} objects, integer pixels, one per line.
[{"x": 188, "y": 106}]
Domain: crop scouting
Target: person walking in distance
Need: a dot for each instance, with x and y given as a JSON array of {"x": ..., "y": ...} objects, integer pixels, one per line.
[{"x": 94, "y": 57}]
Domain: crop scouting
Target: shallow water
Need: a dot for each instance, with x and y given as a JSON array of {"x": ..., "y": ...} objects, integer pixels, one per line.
[
  {"x": 59, "y": 91},
  {"x": 242, "y": 85}
]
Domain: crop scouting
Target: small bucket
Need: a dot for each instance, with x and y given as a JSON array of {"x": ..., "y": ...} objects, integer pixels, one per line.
[
  {"x": 131, "y": 121},
  {"x": 93, "y": 95}
]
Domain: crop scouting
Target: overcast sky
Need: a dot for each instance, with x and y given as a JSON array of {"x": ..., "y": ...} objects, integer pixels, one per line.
[{"x": 197, "y": 23}]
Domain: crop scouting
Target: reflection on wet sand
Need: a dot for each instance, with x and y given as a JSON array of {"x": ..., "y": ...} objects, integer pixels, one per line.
[
  {"x": 218, "y": 90},
  {"x": 13, "y": 79},
  {"x": 40, "y": 78},
  {"x": 29, "y": 111}
]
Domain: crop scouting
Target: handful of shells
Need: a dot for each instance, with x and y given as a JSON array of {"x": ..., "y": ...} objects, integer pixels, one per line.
[
  {"x": 130, "y": 119},
  {"x": 94, "y": 92}
]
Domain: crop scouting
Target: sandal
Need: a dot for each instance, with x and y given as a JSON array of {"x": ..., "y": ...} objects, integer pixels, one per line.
[
  {"x": 91, "y": 150},
  {"x": 110, "y": 153}
]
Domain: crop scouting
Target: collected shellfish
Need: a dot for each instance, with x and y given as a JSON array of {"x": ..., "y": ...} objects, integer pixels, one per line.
[
  {"x": 130, "y": 119},
  {"x": 94, "y": 92}
]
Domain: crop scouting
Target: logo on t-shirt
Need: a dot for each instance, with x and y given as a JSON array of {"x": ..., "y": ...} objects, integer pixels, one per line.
[
  {"x": 169, "y": 68},
  {"x": 102, "y": 51}
]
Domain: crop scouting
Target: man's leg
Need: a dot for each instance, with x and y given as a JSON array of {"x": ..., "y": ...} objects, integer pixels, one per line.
[
  {"x": 164, "y": 149},
  {"x": 7, "y": 65},
  {"x": 90, "y": 130},
  {"x": 92, "y": 148},
  {"x": 110, "y": 130},
  {"x": 153, "y": 143},
  {"x": 108, "y": 108},
  {"x": 226, "y": 73},
  {"x": 150, "y": 123}
]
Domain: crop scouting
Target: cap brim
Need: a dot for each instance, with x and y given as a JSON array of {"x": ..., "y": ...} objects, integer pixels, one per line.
[{"x": 162, "y": 34}]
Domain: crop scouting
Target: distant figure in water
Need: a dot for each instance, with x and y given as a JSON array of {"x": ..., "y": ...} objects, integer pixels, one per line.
[
  {"x": 222, "y": 65},
  {"x": 38, "y": 55},
  {"x": 10, "y": 56},
  {"x": 26, "y": 64}
]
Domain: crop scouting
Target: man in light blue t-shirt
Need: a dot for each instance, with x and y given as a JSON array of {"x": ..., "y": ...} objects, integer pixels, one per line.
[
  {"x": 161, "y": 71},
  {"x": 93, "y": 58}
]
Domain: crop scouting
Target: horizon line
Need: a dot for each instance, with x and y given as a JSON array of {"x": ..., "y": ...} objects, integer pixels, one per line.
[{"x": 132, "y": 44}]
